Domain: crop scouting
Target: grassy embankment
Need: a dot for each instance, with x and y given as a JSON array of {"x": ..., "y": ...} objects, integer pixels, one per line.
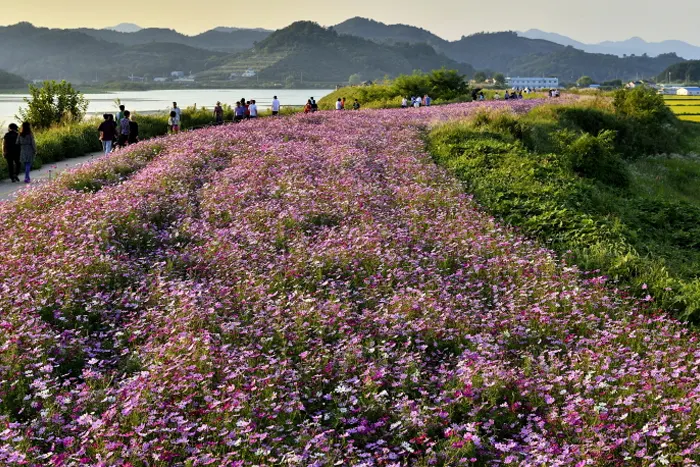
[
  {"x": 77, "y": 139},
  {"x": 586, "y": 179},
  {"x": 385, "y": 96}
]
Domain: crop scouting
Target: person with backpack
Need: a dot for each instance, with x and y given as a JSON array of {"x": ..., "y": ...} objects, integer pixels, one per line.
[
  {"x": 27, "y": 153},
  {"x": 11, "y": 150},
  {"x": 124, "y": 129},
  {"x": 356, "y": 105},
  {"x": 314, "y": 105}
]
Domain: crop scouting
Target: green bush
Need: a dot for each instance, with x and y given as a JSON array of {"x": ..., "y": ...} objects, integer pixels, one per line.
[{"x": 558, "y": 175}]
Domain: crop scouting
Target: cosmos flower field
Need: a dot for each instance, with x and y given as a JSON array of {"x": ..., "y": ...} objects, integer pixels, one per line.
[{"x": 314, "y": 291}]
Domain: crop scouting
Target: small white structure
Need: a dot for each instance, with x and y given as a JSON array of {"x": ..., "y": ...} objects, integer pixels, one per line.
[
  {"x": 690, "y": 91},
  {"x": 160, "y": 80},
  {"x": 669, "y": 90},
  {"x": 249, "y": 73},
  {"x": 177, "y": 74},
  {"x": 532, "y": 83}
]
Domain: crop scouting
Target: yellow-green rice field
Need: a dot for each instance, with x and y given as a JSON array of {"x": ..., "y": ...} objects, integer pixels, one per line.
[{"x": 686, "y": 107}]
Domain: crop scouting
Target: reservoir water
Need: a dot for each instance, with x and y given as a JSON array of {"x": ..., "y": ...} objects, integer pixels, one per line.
[{"x": 161, "y": 100}]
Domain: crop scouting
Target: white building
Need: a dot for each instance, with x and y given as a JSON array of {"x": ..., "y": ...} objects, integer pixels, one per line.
[
  {"x": 160, "y": 80},
  {"x": 537, "y": 83},
  {"x": 669, "y": 90},
  {"x": 177, "y": 74},
  {"x": 691, "y": 91},
  {"x": 249, "y": 73}
]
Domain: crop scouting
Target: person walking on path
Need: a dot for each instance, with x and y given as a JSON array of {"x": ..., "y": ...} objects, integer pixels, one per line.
[
  {"x": 27, "y": 144},
  {"x": 11, "y": 151},
  {"x": 275, "y": 106},
  {"x": 124, "y": 129},
  {"x": 108, "y": 130},
  {"x": 219, "y": 114}
]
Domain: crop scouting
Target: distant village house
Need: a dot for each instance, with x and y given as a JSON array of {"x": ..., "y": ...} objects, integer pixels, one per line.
[{"x": 537, "y": 82}]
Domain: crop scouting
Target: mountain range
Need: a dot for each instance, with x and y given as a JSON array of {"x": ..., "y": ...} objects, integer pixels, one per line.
[
  {"x": 632, "y": 46},
  {"x": 303, "y": 52}
]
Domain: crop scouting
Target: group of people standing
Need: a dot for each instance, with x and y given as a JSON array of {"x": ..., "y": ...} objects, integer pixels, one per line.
[
  {"x": 416, "y": 101},
  {"x": 19, "y": 149},
  {"x": 340, "y": 104},
  {"x": 120, "y": 131}
]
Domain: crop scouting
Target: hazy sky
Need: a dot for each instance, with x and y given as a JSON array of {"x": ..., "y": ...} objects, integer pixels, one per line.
[{"x": 590, "y": 21}]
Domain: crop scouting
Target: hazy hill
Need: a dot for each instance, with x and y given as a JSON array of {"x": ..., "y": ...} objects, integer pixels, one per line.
[
  {"x": 323, "y": 55},
  {"x": 570, "y": 64},
  {"x": 40, "y": 53},
  {"x": 632, "y": 46},
  {"x": 218, "y": 40},
  {"x": 380, "y": 32},
  {"x": 687, "y": 72},
  {"x": 125, "y": 27},
  {"x": 11, "y": 81},
  {"x": 496, "y": 51},
  {"x": 511, "y": 53}
]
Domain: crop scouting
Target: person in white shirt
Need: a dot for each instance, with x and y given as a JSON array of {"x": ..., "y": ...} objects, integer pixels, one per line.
[
  {"x": 416, "y": 103},
  {"x": 253, "y": 109},
  {"x": 177, "y": 110},
  {"x": 275, "y": 106},
  {"x": 339, "y": 105},
  {"x": 404, "y": 103}
]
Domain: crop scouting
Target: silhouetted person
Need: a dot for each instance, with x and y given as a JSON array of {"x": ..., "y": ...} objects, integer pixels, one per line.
[{"x": 11, "y": 150}]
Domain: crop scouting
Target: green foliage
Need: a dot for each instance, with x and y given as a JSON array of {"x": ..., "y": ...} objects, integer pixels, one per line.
[
  {"x": 441, "y": 85},
  {"x": 584, "y": 81},
  {"x": 479, "y": 76},
  {"x": 355, "y": 79},
  {"x": 53, "y": 103},
  {"x": 560, "y": 174},
  {"x": 499, "y": 79}
]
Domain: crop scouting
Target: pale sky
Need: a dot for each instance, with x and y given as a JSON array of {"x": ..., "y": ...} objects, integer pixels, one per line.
[{"x": 588, "y": 21}]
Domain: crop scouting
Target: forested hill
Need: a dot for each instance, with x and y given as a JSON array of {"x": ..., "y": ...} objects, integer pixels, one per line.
[
  {"x": 11, "y": 81},
  {"x": 682, "y": 72},
  {"x": 323, "y": 55},
  {"x": 364, "y": 48}
]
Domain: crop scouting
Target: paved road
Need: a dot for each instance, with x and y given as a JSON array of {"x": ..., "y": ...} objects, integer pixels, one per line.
[{"x": 9, "y": 190}]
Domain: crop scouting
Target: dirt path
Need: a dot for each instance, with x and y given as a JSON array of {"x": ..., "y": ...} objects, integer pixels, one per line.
[{"x": 9, "y": 190}]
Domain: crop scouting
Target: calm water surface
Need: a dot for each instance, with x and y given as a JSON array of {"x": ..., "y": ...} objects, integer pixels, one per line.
[{"x": 161, "y": 100}]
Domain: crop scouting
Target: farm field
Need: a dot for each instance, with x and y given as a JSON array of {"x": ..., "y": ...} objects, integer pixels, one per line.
[
  {"x": 314, "y": 291},
  {"x": 687, "y": 108}
]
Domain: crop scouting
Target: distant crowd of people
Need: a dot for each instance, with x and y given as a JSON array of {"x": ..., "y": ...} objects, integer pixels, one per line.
[{"x": 416, "y": 101}]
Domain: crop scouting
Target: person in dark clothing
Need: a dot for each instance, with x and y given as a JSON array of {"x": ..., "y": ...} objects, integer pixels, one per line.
[
  {"x": 108, "y": 130},
  {"x": 133, "y": 132},
  {"x": 11, "y": 151},
  {"x": 124, "y": 128}
]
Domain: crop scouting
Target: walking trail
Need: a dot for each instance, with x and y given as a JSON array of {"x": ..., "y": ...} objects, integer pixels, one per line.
[{"x": 9, "y": 190}]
